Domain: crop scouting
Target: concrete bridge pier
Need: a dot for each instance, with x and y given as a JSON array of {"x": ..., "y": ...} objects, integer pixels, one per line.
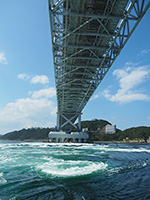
[{"x": 60, "y": 137}]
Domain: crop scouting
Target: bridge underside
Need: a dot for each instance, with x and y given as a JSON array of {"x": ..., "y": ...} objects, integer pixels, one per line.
[{"x": 87, "y": 36}]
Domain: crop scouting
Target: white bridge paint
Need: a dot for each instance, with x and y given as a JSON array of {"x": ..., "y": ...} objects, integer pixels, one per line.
[{"x": 60, "y": 136}]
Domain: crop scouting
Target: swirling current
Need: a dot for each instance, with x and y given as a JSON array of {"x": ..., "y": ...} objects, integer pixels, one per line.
[{"x": 50, "y": 171}]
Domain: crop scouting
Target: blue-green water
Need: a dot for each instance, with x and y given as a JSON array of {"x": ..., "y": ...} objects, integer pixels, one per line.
[{"x": 74, "y": 171}]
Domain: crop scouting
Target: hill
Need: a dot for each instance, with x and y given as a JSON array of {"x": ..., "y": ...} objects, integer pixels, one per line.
[
  {"x": 94, "y": 124},
  {"x": 139, "y": 133},
  {"x": 35, "y": 134},
  {"x": 135, "y": 134},
  {"x": 28, "y": 134}
]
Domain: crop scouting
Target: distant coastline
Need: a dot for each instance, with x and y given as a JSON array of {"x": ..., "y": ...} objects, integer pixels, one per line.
[
  {"x": 95, "y": 142},
  {"x": 94, "y": 129},
  {"x": 121, "y": 142}
]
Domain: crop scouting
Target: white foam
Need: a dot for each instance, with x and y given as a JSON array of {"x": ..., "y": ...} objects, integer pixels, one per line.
[
  {"x": 76, "y": 146},
  {"x": 69, "y": 168},
  {"x": 4, "y": 159},
  {"x": 112, "y": 148},
  {"x": 114, "y": 170},
  {"x": 129, "y": 150},
  {"x": 2, "y": 179},
  {"x": 14, "y": 198}
]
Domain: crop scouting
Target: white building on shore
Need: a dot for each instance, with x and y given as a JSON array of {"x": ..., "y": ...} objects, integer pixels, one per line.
[{"x": 110, "y": 129}]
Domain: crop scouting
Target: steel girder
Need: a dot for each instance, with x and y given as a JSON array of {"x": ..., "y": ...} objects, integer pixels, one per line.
[{"x": 87, "y": 36}]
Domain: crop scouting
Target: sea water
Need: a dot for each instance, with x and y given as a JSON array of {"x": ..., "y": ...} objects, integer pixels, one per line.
[{"x": 45, "y": 171}]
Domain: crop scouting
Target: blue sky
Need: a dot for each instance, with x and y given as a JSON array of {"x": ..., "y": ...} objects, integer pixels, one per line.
[{"x": 27, "y": 84}]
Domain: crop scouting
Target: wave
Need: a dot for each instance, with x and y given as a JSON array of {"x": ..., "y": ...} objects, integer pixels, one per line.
[
  {"x": 2, "y": 179},
  {"x": 70, "y": 168},
  {"x": 101, "y": 147}
]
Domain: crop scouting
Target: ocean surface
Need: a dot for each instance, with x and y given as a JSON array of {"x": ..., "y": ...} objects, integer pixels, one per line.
[{"x": 45, "y": 171}]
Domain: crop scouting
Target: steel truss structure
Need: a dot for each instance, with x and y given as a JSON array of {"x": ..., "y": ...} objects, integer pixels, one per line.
[{"x": 87, "y": 36}]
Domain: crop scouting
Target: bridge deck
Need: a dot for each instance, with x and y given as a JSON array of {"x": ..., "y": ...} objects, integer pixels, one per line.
[{"x": 87, "y": 36}]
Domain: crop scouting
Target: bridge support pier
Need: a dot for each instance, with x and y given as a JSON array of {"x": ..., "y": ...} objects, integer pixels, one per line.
[
  {"x": 61, "y": 137},
  {"x": 58, "y": 125},
  {"x": 64, "y": 119},
  {"x": 79, "y": 122}
]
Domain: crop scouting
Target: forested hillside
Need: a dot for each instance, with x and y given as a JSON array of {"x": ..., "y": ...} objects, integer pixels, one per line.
[
  {"x": 42, "y": 133},
  {"x": 141, "y": 132},
  {"x": 94, "y": 124},
  {"x": 131, "y": 134},
  {"x": 95, "y": 132},
  {"x": 28, "y": 134}
]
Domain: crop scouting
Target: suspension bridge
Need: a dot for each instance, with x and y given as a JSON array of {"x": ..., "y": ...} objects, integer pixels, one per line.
[{"x": 87, "y": 36}]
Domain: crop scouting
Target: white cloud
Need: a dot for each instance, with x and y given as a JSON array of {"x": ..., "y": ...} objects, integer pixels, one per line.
[
  {"x": 34, "y": 79},
  {"x": 129, "y": 78},
  {"x": 96, "y": 96},
  {"x": 144, "y": 51},
  {"x": 23, "y": 76},
  {"x": 27, "y": 113},
  {"x": 36, "y": 111},
  {"x": 39, "y": 79},
  {"x": 47, "y": 93},
  {"x": 130, "y": 64},
  {"x": 148, "y": 118},
  {"x": 3, "y": 58}
]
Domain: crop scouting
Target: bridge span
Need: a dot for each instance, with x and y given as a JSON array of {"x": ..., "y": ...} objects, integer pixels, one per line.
[{"x": 87, "y": 36}]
